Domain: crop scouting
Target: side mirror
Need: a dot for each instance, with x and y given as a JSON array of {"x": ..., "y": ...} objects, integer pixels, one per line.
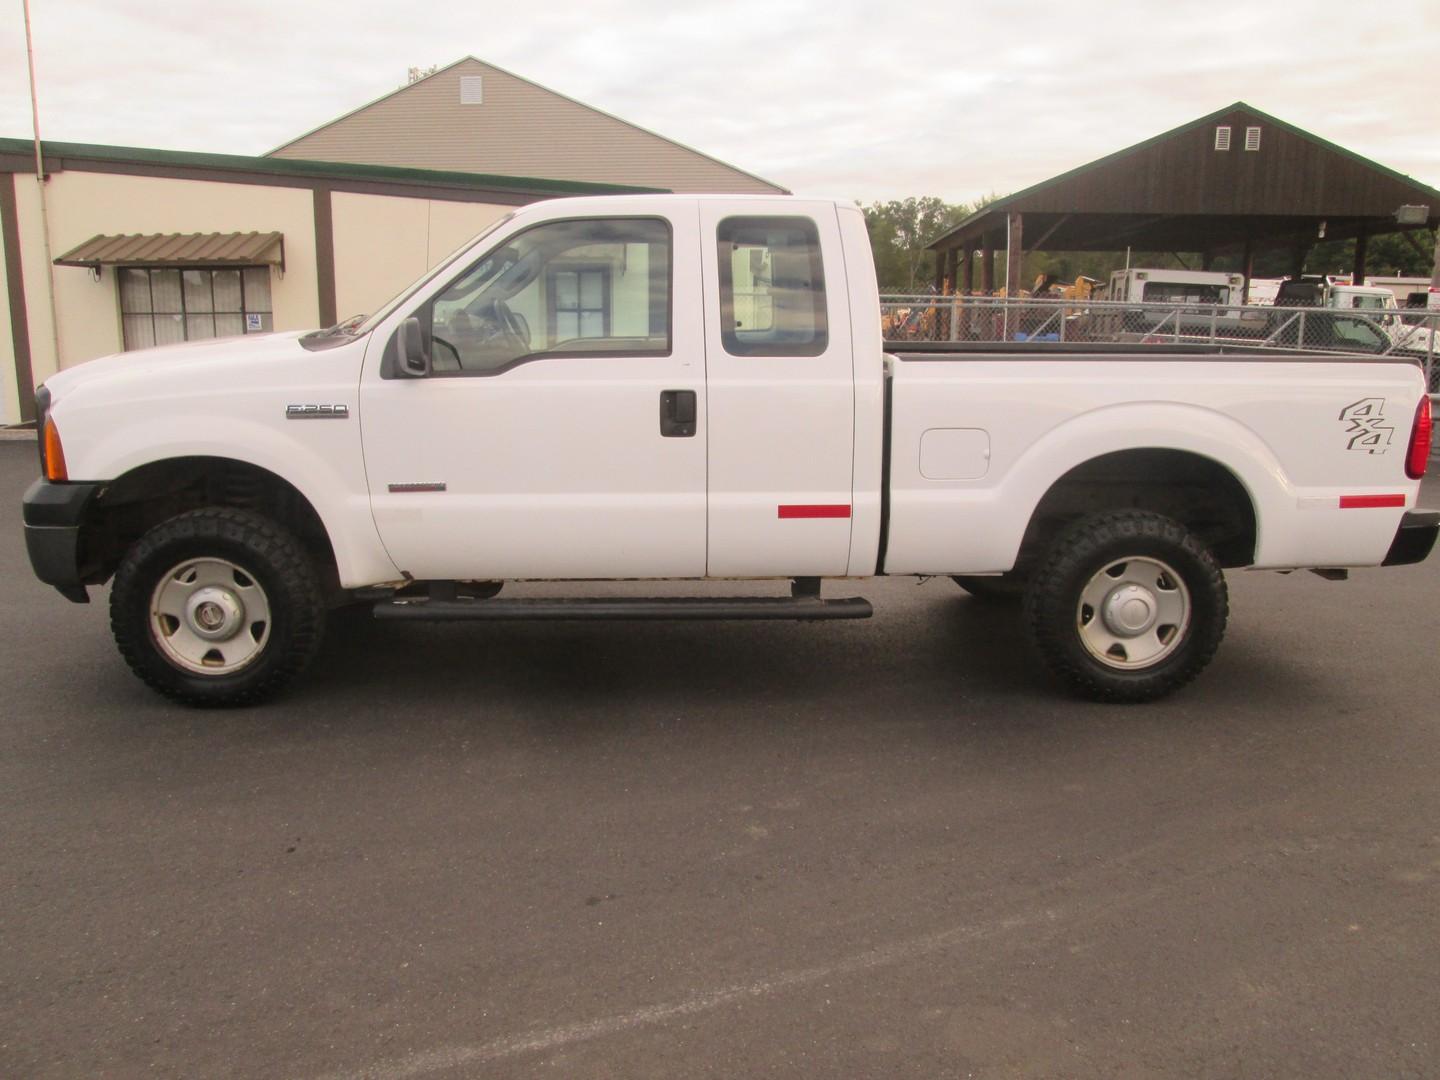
[{"x": 411, "y": 358}]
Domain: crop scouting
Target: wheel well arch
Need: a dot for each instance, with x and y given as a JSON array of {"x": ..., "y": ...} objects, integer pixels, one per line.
[
  {"x": 133, "y": 503},
  {"x": 1197, "y": 491}
]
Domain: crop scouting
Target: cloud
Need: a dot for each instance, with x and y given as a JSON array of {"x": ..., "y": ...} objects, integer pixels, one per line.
[{"x": 848, "y": 98}]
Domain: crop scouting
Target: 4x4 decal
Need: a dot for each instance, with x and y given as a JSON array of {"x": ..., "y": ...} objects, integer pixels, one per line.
[{"x": 1365, "y": 423}]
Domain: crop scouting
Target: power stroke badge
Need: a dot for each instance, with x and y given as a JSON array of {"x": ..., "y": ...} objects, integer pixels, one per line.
[{"x": 1365, "y": 423}]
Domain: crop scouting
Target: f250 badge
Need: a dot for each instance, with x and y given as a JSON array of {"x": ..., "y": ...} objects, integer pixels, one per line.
[
  {"x": 1365, "y": 424},
  {"x": 317, "y": 412}
]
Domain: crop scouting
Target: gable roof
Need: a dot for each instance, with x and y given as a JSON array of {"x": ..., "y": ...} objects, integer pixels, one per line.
[
  {"x": 518, "y": 127},
  {"x": 1310, "y": 177}
]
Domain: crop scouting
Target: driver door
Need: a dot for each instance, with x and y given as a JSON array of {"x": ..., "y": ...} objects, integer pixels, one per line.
[{"x": 560, "y": 433}]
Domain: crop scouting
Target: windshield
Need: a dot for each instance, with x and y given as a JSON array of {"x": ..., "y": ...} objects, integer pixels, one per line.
[{"x": 383, "y": 312}]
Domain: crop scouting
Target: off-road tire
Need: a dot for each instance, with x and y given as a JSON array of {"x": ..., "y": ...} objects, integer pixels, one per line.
[
  {"x": 1001, "y": 589},
  {"x": 1081, "y": 551},
  {"x": 269, "y": 554}
]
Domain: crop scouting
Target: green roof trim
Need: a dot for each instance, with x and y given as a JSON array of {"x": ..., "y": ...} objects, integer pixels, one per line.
[
  {"x": 1209, "y": 118},
  {"x": 319, "y": 170}
]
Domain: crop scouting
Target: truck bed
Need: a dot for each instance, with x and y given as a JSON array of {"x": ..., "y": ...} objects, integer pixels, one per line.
[{"x": 983, "y": 433}]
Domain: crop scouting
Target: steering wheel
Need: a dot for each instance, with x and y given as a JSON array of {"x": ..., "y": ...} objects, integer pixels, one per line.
[{"x": 515, "y": 327}]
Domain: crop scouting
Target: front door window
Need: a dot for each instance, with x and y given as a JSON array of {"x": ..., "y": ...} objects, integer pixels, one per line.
[{"x": 567, "y": 288}]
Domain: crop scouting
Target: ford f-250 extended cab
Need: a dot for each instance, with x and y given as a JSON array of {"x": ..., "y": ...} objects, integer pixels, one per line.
[{"x": 696, "y": 387}]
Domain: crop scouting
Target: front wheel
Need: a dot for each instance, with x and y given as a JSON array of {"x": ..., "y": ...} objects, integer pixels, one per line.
[
  {"x": 1126, "y": 606},
  {"x": 217, "y": 607}
]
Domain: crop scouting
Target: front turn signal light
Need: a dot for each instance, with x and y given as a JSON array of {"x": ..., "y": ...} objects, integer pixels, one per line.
[{"x": 54, "y": 454}]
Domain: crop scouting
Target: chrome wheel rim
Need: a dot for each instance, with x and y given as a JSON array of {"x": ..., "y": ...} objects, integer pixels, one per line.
[
  {"x": 1133, "y": 613},
  {"x": 209, "y": 616}
]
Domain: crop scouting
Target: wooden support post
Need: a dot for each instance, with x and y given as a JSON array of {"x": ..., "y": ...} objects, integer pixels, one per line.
[
  {"x": 987, "y": 265},
  {"x": 1362, "y": 244},
  {"x": 1247, "y": 267},
  {"x": 1297, "y": 257},
  {"x": 940, "y": 271},
  {"x": 967, "y": 270},
  {"x": 945, "y": 317},
  {"x": 1014, "y": 253}
]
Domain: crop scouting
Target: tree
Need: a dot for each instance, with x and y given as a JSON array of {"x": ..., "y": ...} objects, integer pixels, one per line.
[
  {"x": 418, "y": 73},
  {"x": 899, "y": 231},
  {"x": 1387, "y": 255}
]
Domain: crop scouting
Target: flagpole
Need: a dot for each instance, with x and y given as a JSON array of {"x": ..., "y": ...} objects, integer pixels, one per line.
[{"x": 44, "y": 209}]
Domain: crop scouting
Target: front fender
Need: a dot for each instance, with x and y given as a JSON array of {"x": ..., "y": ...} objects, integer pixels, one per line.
[{"x": 319, "y": 458}]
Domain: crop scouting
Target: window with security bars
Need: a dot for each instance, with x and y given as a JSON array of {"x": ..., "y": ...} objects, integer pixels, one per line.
[{"x": 164, "y": 306}]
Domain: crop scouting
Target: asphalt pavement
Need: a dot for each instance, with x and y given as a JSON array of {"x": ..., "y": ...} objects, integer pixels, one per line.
[{"x": 876, "y": 849}]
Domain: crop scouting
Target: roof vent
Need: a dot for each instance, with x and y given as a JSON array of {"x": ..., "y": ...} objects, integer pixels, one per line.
[
  {"x": 1252, "y": 138},
  {"x": 1222, "y": 138},
  {"x": 471, "y": 89}
]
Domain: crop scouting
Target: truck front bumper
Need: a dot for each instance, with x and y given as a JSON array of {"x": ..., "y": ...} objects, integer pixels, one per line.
[
  {"x": 53, "y": 515},
  {"x": 1414, "y": 539}
]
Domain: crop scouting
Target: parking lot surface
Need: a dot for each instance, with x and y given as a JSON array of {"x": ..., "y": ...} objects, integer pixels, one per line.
[{"x": 633, "y": 850}]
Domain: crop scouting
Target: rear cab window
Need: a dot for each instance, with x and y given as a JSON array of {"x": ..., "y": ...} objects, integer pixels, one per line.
[{"x": 772, "y": 287}]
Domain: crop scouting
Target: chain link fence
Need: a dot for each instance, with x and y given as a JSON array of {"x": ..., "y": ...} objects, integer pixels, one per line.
[{"x": 1411, "y": 334}]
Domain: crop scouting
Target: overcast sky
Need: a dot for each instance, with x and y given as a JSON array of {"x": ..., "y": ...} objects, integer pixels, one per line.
[{"x": 860, "y": 100}]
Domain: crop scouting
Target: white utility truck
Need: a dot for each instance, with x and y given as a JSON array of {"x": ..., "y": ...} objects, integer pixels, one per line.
[
  {"x": 1412, "y": 293},
  {"x": 1144, "y": 285},
  {"x": 1183, "y": 300},
  {"x": 1376, "y": 303},
  {"x": 696, "y": 387}
]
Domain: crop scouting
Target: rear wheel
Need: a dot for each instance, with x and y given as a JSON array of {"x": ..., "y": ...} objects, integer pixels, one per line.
[
  {"x": 1126, "y": 606},
  {"x": 217, "y": 607}
]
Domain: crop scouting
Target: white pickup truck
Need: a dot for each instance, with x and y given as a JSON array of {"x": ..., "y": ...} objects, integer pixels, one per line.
[{"x": 687, "y": 388}]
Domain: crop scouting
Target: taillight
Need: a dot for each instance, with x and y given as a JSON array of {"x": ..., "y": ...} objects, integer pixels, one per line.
[
  {"x": 55, "y": 453},
  {"x": 1418, "y": 456}
]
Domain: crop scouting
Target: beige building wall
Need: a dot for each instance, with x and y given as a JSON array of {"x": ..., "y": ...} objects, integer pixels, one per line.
[
  {"x": 82, "y": 204},
  {"x": 453, "y": 224},
  {"x": 517, "y": 128},
  {"x": 382, "y": 243}
]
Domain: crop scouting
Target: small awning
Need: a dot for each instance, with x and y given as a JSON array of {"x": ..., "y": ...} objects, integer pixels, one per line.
[{"x": 179, "y": 249}]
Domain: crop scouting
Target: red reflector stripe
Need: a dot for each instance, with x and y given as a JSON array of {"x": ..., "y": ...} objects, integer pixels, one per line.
[
  {"x": 822, "y": 510},
  {"x": 1370, "y": 502}
]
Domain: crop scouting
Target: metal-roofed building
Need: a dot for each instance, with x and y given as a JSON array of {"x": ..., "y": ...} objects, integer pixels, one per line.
[
  {"x": 472, "y": 116},
  {"x": 1237, "y": 181},
  {"x": 151, "y": 247}
]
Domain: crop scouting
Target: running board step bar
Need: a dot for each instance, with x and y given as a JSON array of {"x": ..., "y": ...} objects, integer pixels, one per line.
[{"x": 656, "y": 608}]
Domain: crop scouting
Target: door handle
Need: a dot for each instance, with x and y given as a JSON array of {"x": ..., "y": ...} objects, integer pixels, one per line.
[{"x": 677, "y": 414}]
